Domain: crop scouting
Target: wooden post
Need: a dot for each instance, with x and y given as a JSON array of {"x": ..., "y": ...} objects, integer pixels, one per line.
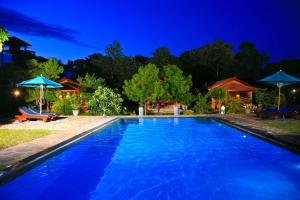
[
  {"x": 41, "y": 98},
  {"x": 278, "y": 103}
]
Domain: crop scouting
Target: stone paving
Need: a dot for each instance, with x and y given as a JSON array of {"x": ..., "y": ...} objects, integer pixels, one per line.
[
  {"x": 289, "y": 139},
  {"x": 66, "y": 128}
]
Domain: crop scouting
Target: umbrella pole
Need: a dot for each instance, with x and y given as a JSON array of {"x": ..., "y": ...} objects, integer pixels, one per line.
[
  {"x": 278, "y": 103},
  {"x": 41, "y": 98}
]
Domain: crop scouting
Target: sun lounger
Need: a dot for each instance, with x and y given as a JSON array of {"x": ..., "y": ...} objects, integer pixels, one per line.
[
  {"x": 27, "y": 114},
  {"x": 274, "y": 113},
  {"x": 38, "y": 112}
]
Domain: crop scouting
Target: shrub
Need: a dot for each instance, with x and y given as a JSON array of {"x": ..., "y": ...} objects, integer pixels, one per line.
[
  {"x": 62, "y": 105},
  {"x": 265, "y": 98},
  {"x": 201, "y": 105},
  {"x": 234, "y": 106},
  {"x": 105, "y": 102},
  {"x": 188, "y": 112}
]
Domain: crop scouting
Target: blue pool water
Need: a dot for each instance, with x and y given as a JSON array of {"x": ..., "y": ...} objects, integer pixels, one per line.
[{"x": 176, "y": 158}]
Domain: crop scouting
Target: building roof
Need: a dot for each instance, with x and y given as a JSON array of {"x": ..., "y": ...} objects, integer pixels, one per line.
[
  {"x": 68, "y": 85},
  {"x": 14, "y": 41},
  {"x": 233, "y": 84}
]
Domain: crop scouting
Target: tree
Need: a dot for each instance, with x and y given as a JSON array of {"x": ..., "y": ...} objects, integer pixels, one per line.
[
  {"x": 50, "y": 69},
  {"x": 209, "y": 63},
  {"x": 89, "y": 83},
  {"x": 176, "y": 84},
  {"x": 105, "y": 102},
  {"x": 3, "y": 38},
  {"x": 145, "y": 86},
  {"x": 162, "y": 56},
  {"x": 249, "y": 62},
  {"x": 217, "y": 57},
  {"x": 201, "y": 104},
  {"x": 220, "y": 94}
]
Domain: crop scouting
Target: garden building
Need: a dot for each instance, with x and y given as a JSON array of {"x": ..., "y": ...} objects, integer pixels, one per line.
[{"x": 236, "y": 88}]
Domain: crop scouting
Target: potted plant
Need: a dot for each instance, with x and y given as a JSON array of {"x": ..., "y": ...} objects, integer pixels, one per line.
[
  {"x": 75, "y": 103},
  {"x": 249, "y": 108}
]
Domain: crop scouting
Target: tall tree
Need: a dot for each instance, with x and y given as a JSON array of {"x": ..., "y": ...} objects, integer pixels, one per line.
[
  {"x": 208, "y": 64},
  {"x": 50, "y": 69},
  {"x": 145, "y": 86},
  {"x": 249, "y": 62},
  {"x": 176, "y": 84},
  {"x": 162, "y": 56}
]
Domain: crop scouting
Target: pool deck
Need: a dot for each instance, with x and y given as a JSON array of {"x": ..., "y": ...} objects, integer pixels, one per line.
[
  {"x": 72, "y": 128},
  {"x": 64, "y": 130},
  {"x": 253, "y": 125}
]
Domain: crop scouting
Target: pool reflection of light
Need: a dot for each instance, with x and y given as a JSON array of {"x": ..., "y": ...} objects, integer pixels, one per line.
[
  {"x": 141, "y": 121},
  {"x": 244, "y": 136},
  {"x": 176, "y": 121},
  {"x": 298, "y": 166}
]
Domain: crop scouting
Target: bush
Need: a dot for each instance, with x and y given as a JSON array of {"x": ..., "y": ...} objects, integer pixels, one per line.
[
  {"x": 62, "y": 105},
  {"x": 188, "y": 112},
  {"x": 105, "y": 102},
  {"x": 266, "y": 99},
  {"x": 201, "y": 105},
  {"x": 234, "y": 106}
]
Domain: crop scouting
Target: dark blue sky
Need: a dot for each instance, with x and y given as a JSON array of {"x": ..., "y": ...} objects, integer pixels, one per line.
[{"x": 71, "y": 29}]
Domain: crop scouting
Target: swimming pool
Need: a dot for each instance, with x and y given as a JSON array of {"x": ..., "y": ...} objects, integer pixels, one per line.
[{"x": 165, "y": 158}]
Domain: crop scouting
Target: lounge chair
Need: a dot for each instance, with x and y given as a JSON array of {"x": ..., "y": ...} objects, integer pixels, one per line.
[
  {"x": 27, "y": 114},
  {"x": 274, "y": 113},
  {"x": 38, "y": 112}
]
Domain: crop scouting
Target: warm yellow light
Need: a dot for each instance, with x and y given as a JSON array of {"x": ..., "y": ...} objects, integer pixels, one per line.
[
  {"x": 16, "y": 93},
  {"x": 60, "y": 96},
  {"x": 237, "y": 96},
  {"x": 294, "y": 90}
]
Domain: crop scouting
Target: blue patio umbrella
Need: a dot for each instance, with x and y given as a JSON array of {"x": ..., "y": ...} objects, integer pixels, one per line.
[
  {"x": 40, "y": 82},
  {"x": 280, "y": 79}
]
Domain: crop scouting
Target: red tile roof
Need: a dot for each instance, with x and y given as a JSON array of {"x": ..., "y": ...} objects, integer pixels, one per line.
[{"x": 233, "y": 84}]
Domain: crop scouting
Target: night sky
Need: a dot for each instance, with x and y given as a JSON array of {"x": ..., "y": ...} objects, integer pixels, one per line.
[{"x": 69, "y": 29}]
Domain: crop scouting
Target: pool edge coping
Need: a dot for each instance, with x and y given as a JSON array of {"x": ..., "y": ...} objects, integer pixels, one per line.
[{"x": 262, "y": 134}]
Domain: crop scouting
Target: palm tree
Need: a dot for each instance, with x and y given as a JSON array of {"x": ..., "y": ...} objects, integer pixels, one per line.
[{"x": 3, "y": 38}]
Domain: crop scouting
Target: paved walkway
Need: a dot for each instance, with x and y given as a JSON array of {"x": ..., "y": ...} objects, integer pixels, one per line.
[
  {"x": 289, "y": 139},
  {"x": 66, "y": 128}
]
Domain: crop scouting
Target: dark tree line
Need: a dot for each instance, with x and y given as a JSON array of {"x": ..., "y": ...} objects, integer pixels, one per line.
[{"x": 207, "y": 64}]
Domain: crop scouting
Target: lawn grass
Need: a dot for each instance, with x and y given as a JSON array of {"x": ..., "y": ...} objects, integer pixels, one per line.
[
  {"x": 288, "y": 125},
  {"x": 9, "y": 137}
]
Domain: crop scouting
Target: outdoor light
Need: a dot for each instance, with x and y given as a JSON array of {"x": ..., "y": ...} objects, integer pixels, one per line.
[
  {"x": 16, "y": 93},
  {"x": 294, "y": 90},
  {"x": 237, "y": 96}
]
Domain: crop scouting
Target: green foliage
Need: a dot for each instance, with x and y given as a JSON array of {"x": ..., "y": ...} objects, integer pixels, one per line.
[
  {"x": 176, "y": 84},
  {"x": 188, "y": 112},
  {"x": 201, "y": 105},
  {"x": 249, "y": 62},
  {"x": 216, "y": 57},
  {"x": 218, "y": 93},
  {"x": 105, "y": 102},
  {"x": 162, "y": 57},
  {"x": 62, "y": 104},
  {"x": 234, "y": 106},
  {"x": 145, "y": 86},
  {"x": 265, "y": 98},
  {"x": 75, "y": 102},
  {"x": 3, "y": 37},
  {"x": 50, "y": 69},
  {"x": 89, "y": 83}
]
